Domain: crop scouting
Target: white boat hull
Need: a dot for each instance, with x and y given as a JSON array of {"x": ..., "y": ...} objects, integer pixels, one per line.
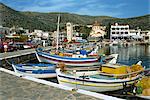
[
  {"x": 29, "y": 73},
  {"x": 49, "y": 59},
  {"x": 96, "y": 85},
  {"x": 48, "y": 75}
]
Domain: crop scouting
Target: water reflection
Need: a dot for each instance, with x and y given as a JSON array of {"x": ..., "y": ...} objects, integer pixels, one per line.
[{"x": 131, "y": 54}]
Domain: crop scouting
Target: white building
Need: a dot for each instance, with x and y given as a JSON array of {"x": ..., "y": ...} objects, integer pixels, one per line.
[
  {"x": 119, "y": 32},
  {"x": 97, "y": 30},
  {"x": 135, "y": 34},
  {"x": 145, "y": 35},
  {"x": 122, "y": 32},
  {"x": 69, "y": 31}
]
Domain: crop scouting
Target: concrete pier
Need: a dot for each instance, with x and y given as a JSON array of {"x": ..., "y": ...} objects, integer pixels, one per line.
[{"x": 14, "y": 87}]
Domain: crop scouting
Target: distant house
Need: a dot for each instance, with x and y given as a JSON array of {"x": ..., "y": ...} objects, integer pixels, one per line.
[
  {"x": 145, "y": 35},
  {"x": 135, "y": 34},
  {"x": 97, "y": 30}
]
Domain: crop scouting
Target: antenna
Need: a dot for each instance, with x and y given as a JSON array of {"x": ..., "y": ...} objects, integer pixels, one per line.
[{"x": 57, "y": 36}]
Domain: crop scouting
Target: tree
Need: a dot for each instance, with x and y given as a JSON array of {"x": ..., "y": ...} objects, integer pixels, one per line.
[
  {"x": 107, "y": 36},
  {"x": 85, "y": 31}
]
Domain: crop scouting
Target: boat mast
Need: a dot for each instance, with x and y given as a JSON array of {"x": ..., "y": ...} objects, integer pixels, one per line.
[{"x": 57, "y": 36}]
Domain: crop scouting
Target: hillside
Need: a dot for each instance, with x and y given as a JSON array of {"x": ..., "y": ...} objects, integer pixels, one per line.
[{"x": 47, "y": 21}]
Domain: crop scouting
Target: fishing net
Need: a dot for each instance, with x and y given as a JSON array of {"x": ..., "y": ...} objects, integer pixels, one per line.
[
  {"x": 143, "y": 86},
  {"x": 136, "y": 67},
  {"x": 145, "y": 82},
  {"x": 62, "y": 66}
]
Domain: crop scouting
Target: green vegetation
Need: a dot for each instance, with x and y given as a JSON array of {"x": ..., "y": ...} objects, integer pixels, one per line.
[
  {"x": 107, "y": 36},
  {"x": 48, "y": 21},
  {"x": 85, "y": 31},
  {"x": 23, "y": 38}
]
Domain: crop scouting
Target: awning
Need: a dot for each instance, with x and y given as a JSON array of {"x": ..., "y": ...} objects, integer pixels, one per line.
[
  {"x": 11, "y": 36},
  {"x": 137, "y": 37}
]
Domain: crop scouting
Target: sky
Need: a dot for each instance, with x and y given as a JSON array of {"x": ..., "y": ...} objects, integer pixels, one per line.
[{"x": 114, "y": 8}]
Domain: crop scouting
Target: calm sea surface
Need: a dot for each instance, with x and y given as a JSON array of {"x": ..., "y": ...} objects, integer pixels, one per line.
[{"x": 130, "y": 54}]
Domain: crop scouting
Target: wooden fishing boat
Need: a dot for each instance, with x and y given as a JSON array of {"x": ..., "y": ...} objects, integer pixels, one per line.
[
  {"x": 36, "y": 70},
  {"x": 74, "y": 60},
  {"x": 82, "y": 51},
  {"x": 96, "y": 79}
]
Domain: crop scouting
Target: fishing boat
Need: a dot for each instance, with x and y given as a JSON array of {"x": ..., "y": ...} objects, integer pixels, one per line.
[
  {"x": 36, "y": 70},
  {"x": 74, "y": 60},
  {"x": 97, "y": 79},
  {"x": 82, "y": 50}
]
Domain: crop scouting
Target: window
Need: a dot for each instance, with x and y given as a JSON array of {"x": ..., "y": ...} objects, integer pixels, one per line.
[
  {"x": 126, "y": 32},
  {"x": 117, "y": 32},
  {"x": 113, "y": 32},
  {"x": 121, "y": 32}
]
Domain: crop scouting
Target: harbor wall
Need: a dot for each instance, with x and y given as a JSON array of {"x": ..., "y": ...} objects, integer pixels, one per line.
[
  {"x": 20, "y": 56},
  {"x": 6, "y": 62}
]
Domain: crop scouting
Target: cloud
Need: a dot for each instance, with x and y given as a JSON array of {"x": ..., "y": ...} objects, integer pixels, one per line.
[{"x": 47, "y": 6}]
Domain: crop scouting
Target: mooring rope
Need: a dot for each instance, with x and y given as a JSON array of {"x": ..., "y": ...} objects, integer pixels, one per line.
[{"x": 8, "y": 62}]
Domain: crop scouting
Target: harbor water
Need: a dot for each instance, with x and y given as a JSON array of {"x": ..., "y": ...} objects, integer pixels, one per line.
[{"x": 130, "y": 54}]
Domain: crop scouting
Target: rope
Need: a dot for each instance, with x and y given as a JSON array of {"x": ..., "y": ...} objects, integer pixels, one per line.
[{"x": 8, "y": 62}]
